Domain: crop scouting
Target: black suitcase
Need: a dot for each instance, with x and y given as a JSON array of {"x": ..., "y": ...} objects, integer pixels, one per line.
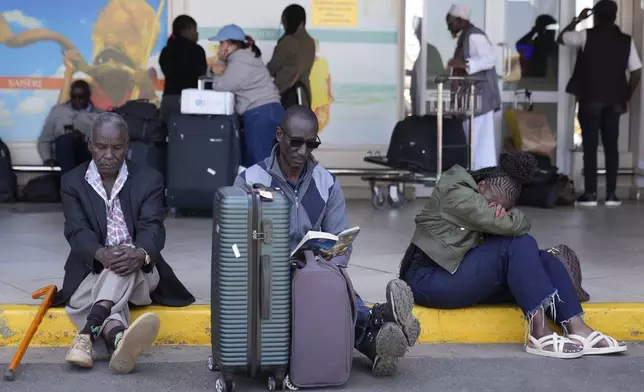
[
  {"x": 413, "y": 144},
  {"x": 148, "y": 154},
  {"x": 143, "y": 120},
  {"x": 250, "y": 286},
  {"x": 203, "y": 155},
  {"x": 8, "y": 184}
]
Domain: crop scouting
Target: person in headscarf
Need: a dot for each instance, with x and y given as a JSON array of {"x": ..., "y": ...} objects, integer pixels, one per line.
[
  {"x": 474, "y": 56},
  {"x": 293, "y": 58},
  {"x": 471, "y": 246},
  {"x": 241, "y": 71}
]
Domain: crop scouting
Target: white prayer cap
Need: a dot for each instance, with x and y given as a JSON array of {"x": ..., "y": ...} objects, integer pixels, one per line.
[{"x": 460, "y": 11}]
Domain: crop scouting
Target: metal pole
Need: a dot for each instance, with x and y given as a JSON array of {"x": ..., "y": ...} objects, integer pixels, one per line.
[
  {"x": 471, "y": 130},
  {"x": 439, "y": 130}
]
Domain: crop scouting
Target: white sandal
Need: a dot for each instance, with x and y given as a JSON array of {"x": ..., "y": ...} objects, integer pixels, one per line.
[
  {"x": 556, "y": 342},
  {"x": 594, "y": 339}
]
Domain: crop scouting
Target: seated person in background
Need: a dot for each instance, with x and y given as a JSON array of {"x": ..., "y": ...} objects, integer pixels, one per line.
[
  {"x": 384, "y": 332},
  {"x": 63, "y": 140},
  {"x": 242, "y": 72},
  {"x": 472, "y": 247},
  {"x": 114, "y": 225}
]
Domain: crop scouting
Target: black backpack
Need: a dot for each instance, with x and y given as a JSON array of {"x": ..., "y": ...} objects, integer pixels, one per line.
[
  {"x": 43, "y": 189},
  {"x": 544, "y": 187},
  {"x": 143, "y": 121},
  {"x": 413, "y": 144},
  {"x": 8, "y": 184}
]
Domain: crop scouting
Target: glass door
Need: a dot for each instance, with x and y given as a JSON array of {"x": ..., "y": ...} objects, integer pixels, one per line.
[{"x": 530, "y": 33}]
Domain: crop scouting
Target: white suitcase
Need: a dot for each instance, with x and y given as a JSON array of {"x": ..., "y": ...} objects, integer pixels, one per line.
[{"x": 207, "y": 102}]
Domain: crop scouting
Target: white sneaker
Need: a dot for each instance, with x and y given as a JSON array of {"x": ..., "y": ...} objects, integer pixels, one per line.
[
  {"x": 80, "y": 353},
  {"x": 137, "y": 338}
]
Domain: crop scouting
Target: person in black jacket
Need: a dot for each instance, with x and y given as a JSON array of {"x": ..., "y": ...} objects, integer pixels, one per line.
[
  {"x": 182, "y": 61},
  {"x": 114, "y": 226},
  {"x": 603, "y": 91}
]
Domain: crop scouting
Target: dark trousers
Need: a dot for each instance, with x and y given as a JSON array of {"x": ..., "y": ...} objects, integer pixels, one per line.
[
  {"x": 70, "y": 152},
  {"x": 593, "y": 118},
  {"x": 500, "y": 270}
]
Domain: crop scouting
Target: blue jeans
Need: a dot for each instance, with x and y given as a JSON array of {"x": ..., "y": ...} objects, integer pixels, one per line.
[
  {"x": 70, "y": 152},
  {"x": 260, "y": 125},
  {"x": 362, "y": 321},
  {"x": 501, "y": 269}
]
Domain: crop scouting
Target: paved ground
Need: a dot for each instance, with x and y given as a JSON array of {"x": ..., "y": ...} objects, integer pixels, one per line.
[
  {"x": 608, "y": 241},
  {"x": 444, "y": 368}
]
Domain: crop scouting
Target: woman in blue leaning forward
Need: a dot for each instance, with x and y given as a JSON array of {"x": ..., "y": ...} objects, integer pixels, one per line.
[{"x": 241, "y": 71}]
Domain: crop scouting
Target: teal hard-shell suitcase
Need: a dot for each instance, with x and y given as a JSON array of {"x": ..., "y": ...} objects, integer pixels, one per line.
[{"x": 250, "y": 286}]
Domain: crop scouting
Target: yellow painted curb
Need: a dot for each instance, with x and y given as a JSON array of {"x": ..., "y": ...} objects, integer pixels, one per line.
[{"x": 191, "y": 325}]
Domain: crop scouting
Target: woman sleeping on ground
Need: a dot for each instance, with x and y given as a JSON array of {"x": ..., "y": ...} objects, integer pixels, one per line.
[{"x": 471, "y": 247}]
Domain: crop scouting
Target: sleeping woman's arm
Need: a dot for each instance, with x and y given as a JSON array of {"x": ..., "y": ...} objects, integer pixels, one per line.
[{"x": 467, "y": 208}]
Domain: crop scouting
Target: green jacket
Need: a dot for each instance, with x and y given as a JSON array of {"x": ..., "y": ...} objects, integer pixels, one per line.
[{"x": 456, "y": 218}]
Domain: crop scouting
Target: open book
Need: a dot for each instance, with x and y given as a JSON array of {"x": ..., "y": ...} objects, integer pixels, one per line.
[{"x": 327, "y": 245}]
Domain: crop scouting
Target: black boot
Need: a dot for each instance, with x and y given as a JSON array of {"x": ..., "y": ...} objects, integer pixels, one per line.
[
  {"x": 398, "y": 309},
  {"x": 384, "y": 346}
]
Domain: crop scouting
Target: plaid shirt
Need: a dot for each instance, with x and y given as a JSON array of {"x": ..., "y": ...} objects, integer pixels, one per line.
[{"x": 117, "y": 231}]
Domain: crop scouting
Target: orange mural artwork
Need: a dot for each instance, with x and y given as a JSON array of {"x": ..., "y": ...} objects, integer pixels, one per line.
[{"x": 124, "y": 35}]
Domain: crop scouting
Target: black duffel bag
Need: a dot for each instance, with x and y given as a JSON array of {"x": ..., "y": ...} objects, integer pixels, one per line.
[
  {"x": 143, "y": 120},
  {"x": 413, "y": 144},
  {"x": 43, "y": 189},
  {"x": 546, "y": 188}
]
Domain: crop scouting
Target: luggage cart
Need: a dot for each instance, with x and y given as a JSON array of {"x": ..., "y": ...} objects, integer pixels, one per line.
[{"x": 461, "y": 100}]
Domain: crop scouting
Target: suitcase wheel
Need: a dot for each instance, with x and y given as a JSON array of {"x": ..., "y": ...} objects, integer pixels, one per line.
[
  {"x": 284, "y": 385},
  {"x": 211, "y": 364},
  {"x": 287, "y": 386},
  {"x": 377, "y": 196},
  {"x": 272, "y": 385},
  {"x": 223, "y": 385},
  {"x": 400, "y": 199}
]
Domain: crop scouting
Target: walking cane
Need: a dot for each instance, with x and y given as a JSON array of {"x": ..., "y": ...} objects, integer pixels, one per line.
[{"x": 49, "y": 293}]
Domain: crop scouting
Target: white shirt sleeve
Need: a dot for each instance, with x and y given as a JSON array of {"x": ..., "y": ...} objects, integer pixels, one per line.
[
  {"x": 482, "y": 56},
  {"x": 574, "y": 38},
  {"x": 634, "y": 62}
]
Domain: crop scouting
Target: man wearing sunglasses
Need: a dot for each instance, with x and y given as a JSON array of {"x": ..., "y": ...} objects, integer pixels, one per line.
[
  {"x": 384, "y": 332},
  {"x": 63, "y": 140}
]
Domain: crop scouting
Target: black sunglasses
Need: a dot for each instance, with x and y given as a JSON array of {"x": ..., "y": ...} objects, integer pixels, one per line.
[{"x": 296, "y": 142}]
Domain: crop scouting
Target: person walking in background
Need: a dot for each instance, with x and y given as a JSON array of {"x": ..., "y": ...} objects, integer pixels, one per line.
[
  {"x": 182, "y": 61},
  {"x": 63, "y": 140},
  {"x": 293, "y": 58},
  {"x": 241, "y": 71},
  {"x": 474, "y": 56},
  {"x": 600, "y": 85}
]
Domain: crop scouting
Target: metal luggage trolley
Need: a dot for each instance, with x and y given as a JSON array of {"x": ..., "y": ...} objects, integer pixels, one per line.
[{"x": 461, "y": 102}]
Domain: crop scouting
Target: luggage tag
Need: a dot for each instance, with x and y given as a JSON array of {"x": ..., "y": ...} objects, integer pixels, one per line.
[{"x": 266, "y": 195}]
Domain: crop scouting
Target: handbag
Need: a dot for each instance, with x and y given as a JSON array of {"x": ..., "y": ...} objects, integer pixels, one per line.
[{"x": 569, "y": 259}]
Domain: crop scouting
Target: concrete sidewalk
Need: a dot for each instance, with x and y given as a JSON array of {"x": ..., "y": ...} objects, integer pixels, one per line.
[
  {"x": 608, "y": 242},
  {"x": 444, "y": 368}
]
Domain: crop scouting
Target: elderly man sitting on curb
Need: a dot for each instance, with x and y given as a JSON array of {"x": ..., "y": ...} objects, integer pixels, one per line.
[
  {"x": 114, "y": 225},
  {"x": 383, "y": 333}
]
